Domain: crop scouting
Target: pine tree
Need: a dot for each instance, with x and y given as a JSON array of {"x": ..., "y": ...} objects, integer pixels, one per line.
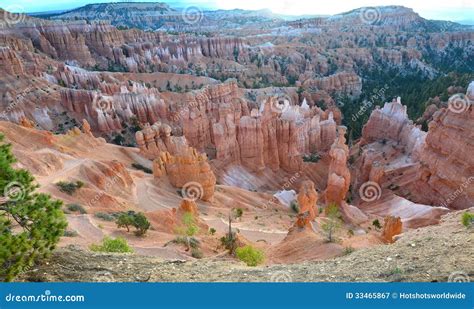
[{"x": 31, "y": 224}]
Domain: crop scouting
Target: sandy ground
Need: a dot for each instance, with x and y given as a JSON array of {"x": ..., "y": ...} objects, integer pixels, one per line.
[{"x": 427, "y": 254}]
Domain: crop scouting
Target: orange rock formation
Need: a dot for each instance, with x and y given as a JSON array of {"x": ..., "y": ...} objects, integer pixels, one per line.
[
  {"x": 339, "y": 177},
  {"x": 307, "y": 199},
  {"x": 392, "y": 226},
  {"x": 188, "y": 170}
]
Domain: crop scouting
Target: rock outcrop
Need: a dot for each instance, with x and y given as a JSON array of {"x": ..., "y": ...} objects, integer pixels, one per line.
[
  {"x": 155, "y": 139},
  {"x": 307, "y": 199},
  {"x": 431, "y": 168},
  {"x": 189, "y": 206},
  {"x": 339, "y": 176},
  {"x": 189, "y": 171},
  {"x": 446, "y": 176},
  {"x": 216, "y": 120},
  {"x": 347, "y": 83},
  {"x": 9, "y": 62},
  {"x": 392, "y": 123},
  {"x": 392, "y": 226}
]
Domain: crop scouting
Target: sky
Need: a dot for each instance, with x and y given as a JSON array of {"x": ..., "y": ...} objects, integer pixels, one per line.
[{"x": 454, "y": 10}]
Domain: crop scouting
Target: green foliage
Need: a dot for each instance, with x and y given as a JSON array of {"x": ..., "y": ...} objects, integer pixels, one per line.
[
  {"x": 118, "y": 245},
  {"x": 212, "y": 231},
  {"x": 137, "y": 220},
  {"x": 333, "y": 222},
  {"x": 187, "y": 230},
  {"x": 70, "y": 233},
  {"x": 189, "y": 242},
  {"x": 238, "y": 212},
  {"x": 314, "y": 157},
  {"x": 118, "y": 139},
  {"x": 229, "y": 242},
  {"x": 294, "y": 206},
  {"x": 125, "y": 220},
  {"x": 396, "y": 271},
  {"x": 376, "y": 224},
  {"x": 141, "y": 224},
  {"x": 105, "y": 216},
  {"x": 467, "y": 219},
  {"x": 76, "y": 208},
  {"x": 31, "y": 224},
  {"x": 142, "y": 168},
  {"x": 381, "y": 85},
  {"x": 69, "y": 187},
  {"x": 196, "y": 253},
  {"x": 250, "y": 255},
  {"x": 189, "y": 227},
  {"x": 348, "y": 250}
]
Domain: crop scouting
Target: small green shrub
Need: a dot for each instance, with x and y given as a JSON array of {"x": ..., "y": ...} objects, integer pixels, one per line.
[
  {"x": 196, "y": 253},
  {"x": 137, "y": 220},
  {"x": 140, "y": 167},
  {"x": 238, "y": 212},
  {"x": 212, "y": 231},
  {"x": 70, "y": 233},
  {"x": 125, "y": 220},
  {"x": 376, "y": 224},
  {"x": 141, "y": 224},
  {"x": 189, "y": 227},
  {"x": 189, "y": 242},
  {"x": 294, "y": 206},
  {"x": 229, "y": 242},
  {"x": 348, "y": 250},
  {"x": 76, "y": 208},
  {"x": 467, "y": 219},
  {"x": 118, "y": 244},
  {"x": 250, "y": 255},
  {"x": 314, "y": 157},
  {"x": 333, "y": 223},
  {"x": 69, "y": 187},
  {"x": 105, "y": 216}
]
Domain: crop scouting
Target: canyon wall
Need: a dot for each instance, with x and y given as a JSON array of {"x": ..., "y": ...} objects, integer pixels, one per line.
[{"x": 434, "y": 167}]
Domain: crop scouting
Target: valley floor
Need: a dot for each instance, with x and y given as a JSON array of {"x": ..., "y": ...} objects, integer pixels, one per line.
[{"x": 426, "y": 254}]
